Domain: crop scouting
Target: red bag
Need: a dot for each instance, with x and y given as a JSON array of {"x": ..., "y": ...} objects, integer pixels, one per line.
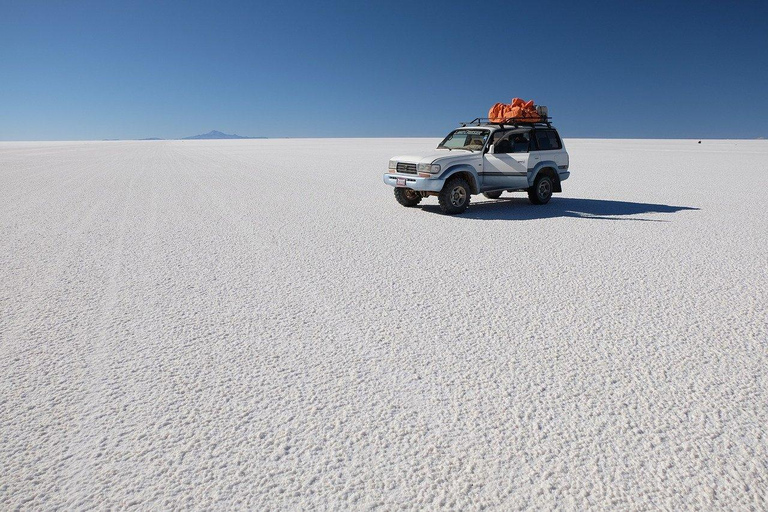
[{"x": 518, "y": 110}]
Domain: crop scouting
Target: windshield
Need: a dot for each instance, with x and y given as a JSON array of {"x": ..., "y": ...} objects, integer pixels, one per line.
[{"x": 470, "y": 140}]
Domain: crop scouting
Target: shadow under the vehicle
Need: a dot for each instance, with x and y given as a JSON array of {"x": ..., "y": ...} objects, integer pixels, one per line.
[{"x": 518, "y": 208}]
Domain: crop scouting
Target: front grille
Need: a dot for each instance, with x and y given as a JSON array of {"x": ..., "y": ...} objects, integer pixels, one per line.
[{"x": 406, "y": 168}]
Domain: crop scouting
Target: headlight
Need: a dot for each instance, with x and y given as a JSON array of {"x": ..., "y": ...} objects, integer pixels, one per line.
[
  {"x": 430, "y": 168},
  {"x": 392, "y": 164}
]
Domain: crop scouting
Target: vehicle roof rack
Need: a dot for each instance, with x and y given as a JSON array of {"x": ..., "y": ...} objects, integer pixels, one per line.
[{"x": 514, "y": 121}]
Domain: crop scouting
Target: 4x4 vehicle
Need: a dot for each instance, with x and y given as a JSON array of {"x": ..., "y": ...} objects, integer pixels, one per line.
[{"x": 483, "y": 157}]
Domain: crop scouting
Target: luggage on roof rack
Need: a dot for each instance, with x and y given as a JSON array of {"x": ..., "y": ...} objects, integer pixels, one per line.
[
  {"x": 518, "y": 112},
  {"x": 512, "y": 121},
  {"x": 517, "y": 109}
]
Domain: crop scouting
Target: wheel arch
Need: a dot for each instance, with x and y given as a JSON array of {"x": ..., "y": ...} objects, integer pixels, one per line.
[
  {"x": 467, "y": 172},
  {"x": 547, "y": 168}
]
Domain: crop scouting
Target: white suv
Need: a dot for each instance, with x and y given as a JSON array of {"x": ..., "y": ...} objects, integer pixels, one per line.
[{"x": 483, "y": 158}]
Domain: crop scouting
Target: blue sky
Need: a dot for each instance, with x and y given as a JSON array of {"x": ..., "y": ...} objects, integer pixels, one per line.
[{"x": 95, "y": 70}]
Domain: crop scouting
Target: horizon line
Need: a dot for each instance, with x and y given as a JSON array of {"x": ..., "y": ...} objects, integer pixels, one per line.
[{"x": 244, "y": 138}]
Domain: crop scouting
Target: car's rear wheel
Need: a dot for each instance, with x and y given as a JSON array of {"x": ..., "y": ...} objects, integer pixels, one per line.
[
  {"x": 492, "y": 195},
  {"x": 541, "y": 191},
  {"x": 454, "y": 198},
  {"x": 407, "y": 197}
]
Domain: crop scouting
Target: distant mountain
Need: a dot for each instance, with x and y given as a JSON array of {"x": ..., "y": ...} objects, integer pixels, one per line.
[{"x": 215, "y": 134}]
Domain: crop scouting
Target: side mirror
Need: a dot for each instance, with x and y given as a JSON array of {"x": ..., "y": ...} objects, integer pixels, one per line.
[{"x": 490, "y": 149}]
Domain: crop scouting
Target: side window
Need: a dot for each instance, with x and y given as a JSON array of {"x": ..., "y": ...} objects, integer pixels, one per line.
[
  {"x": 547, "y": 140},
  {"x": 542, "y": 140},
  {"x": 501, "y": 144},
  {"x": 554, "y": 140},
  {"x": 504, "y": 142},
  {"x": 521, "y": 142}
]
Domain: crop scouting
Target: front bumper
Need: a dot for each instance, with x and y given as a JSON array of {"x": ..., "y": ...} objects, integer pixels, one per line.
[
  {"x": 563, "y": 175},
  {"x": 414, "y": 182}
]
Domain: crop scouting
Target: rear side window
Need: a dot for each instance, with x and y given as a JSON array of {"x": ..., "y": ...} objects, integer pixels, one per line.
[{"x": 548, "y": 139}]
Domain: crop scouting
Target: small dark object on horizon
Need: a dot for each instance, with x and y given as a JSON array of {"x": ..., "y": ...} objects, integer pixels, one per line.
[{"x": 699, "y": 142}]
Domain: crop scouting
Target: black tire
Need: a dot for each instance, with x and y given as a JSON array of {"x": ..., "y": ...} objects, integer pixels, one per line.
[
  {"x": 541, "y": 191},
  {"x": 492, "y": 195},
  {"x": 407, "y": 197},
  {"x": 454, "y": 198}
]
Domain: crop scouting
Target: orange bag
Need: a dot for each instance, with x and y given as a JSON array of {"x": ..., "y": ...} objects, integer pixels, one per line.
[{"x": 518, "y": 109}]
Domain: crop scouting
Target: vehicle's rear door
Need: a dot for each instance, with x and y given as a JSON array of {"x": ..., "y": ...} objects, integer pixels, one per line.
[
  {"x": 507, "y": 166},
  {"x": 550, "y": 147}
]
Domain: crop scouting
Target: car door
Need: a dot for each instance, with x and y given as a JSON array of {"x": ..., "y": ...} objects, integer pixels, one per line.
[{"x": 507, "y": 166}]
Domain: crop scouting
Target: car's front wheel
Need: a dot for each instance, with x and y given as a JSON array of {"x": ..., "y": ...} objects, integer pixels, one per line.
[
  {"x": 541, "y": 191},
  {"x": 407, "y": 197},
  {"x": 454, "y": 198}
]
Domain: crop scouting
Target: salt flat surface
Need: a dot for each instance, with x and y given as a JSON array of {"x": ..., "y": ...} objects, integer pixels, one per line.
[{"x": 258, "y": 324}]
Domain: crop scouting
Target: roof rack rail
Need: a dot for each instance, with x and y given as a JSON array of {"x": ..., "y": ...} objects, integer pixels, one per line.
[{"x": 514, "y": 121}]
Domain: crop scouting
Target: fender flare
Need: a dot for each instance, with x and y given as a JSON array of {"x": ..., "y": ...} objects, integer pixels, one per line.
[
  {"x": 474, "y": 181},
  {"x": 546, "y": 164}
]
